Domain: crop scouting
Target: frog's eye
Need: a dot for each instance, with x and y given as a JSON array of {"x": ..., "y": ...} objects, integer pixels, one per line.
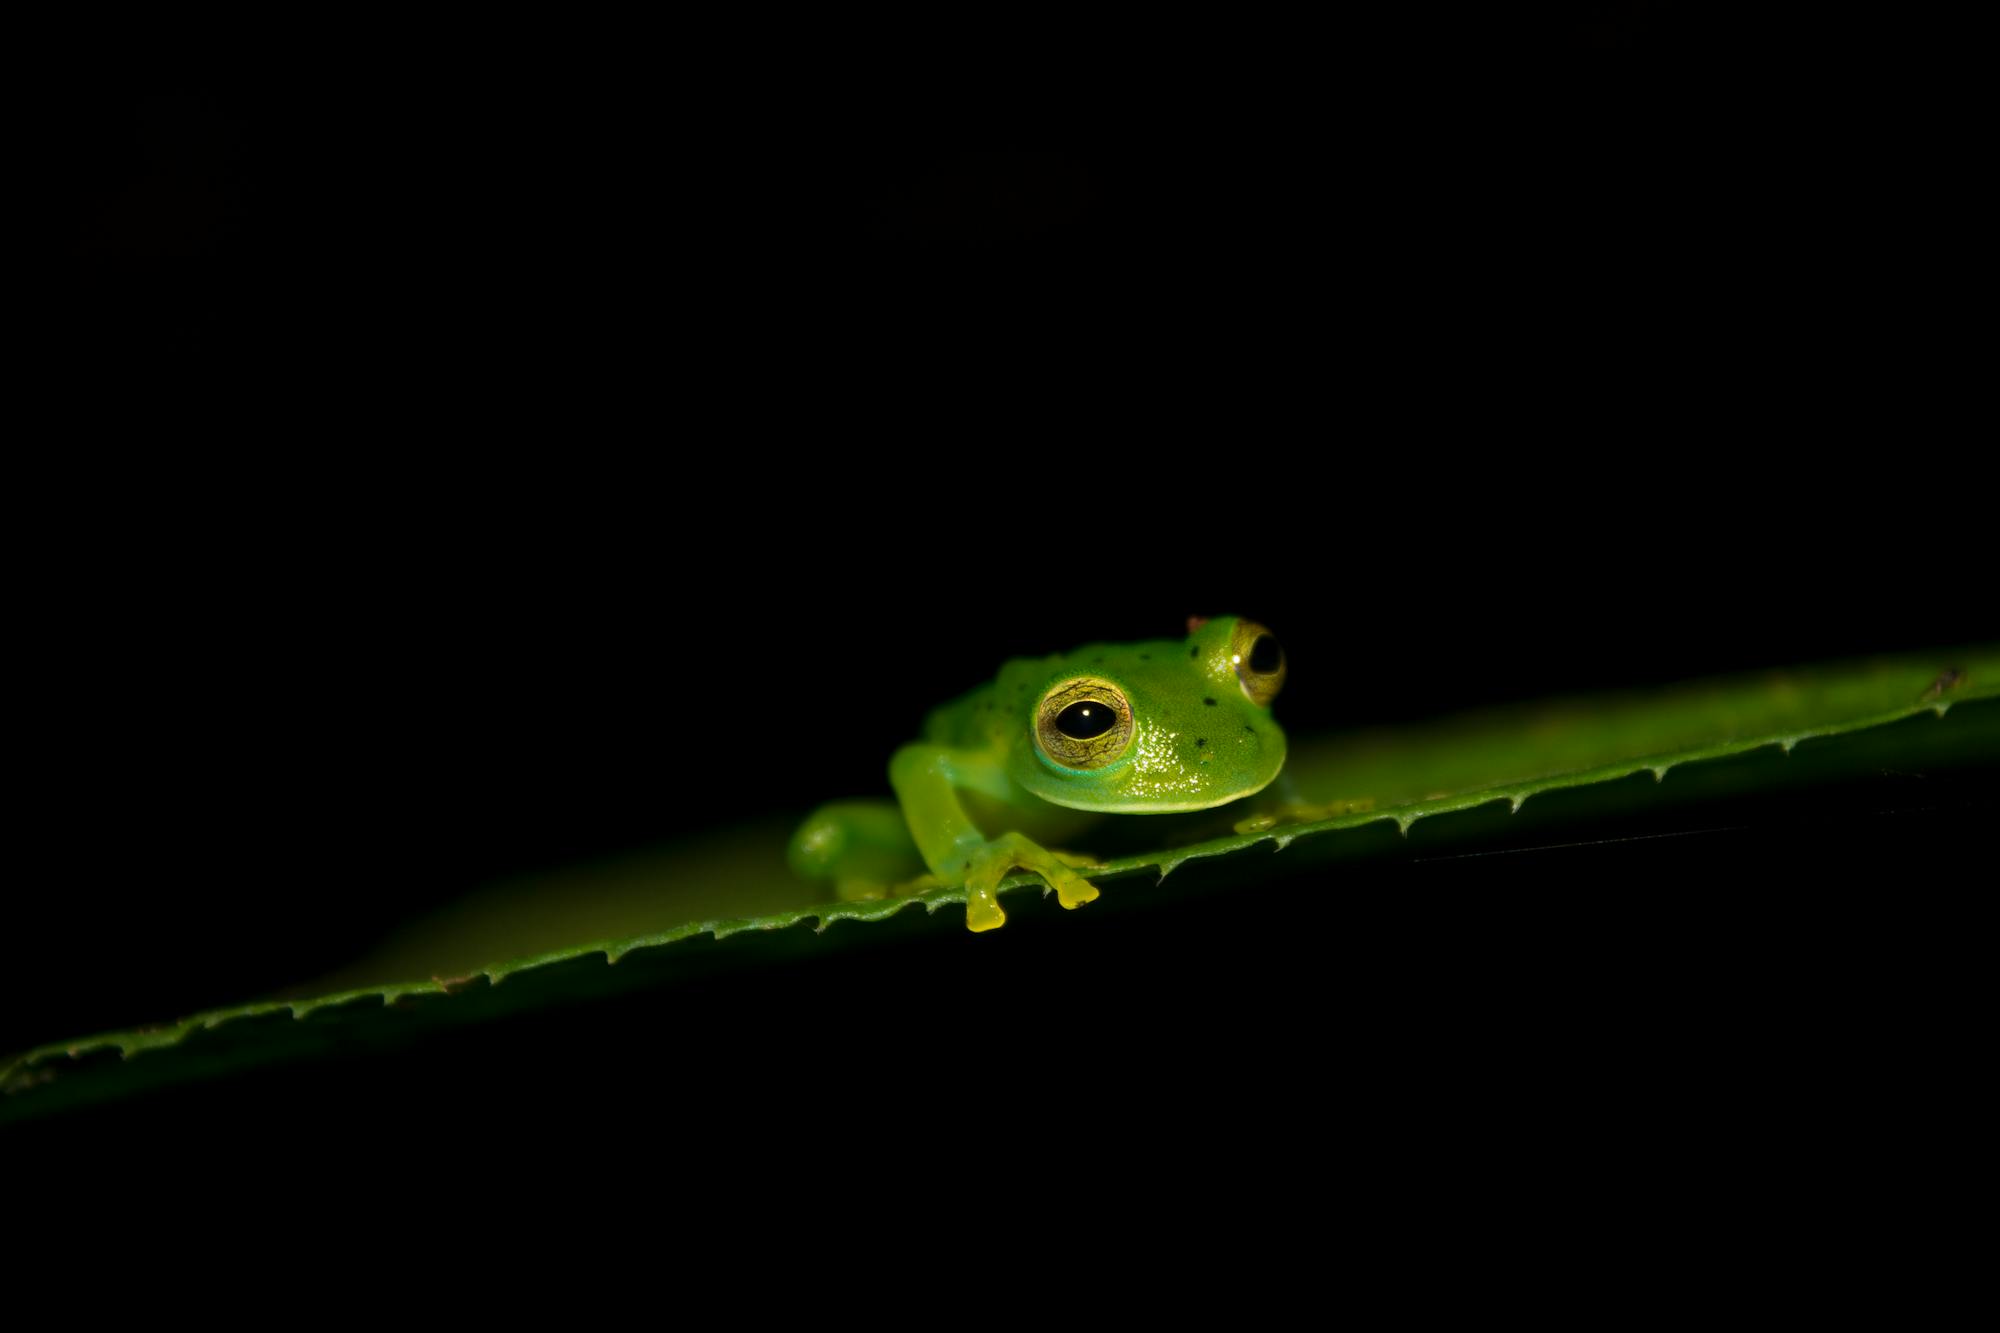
[
  {"x": 1084, "y": 723},
  {"x": 1259, "y": 661}
]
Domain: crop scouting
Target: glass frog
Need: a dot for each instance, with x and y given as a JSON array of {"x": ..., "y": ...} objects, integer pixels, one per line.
[{"x": 1050, "y": 745}]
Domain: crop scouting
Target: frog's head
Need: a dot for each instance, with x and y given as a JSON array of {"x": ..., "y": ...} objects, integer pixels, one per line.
[{"x": 1156, "y": 728}]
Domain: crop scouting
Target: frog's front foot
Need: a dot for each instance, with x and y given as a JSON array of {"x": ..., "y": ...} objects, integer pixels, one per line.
[{"x": 989, "y": 865}]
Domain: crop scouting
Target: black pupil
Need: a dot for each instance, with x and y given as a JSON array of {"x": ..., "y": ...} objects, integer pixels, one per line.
[
  {"x": 1265, "y": 655},
  {"x": 1085, "y": 721}
]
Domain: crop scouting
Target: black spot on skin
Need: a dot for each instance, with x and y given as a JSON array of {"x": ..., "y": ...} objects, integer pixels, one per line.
[
  {"x": 1209, "y": 702},
  {"x": 1194, "y": 650},
  {"x": 1200, "y": 741},
  {"x": 1145, "y": 657},
  {"x": 1247, "y": 727}
]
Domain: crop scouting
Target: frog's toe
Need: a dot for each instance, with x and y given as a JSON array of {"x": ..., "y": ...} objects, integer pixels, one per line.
[
  {"x": 852, "y": 890},
  {"x": 982, "y": 878},
  {"x": 1072, "y": 890},
  {"x": 982, "y": 910},
  {"x": 1075, "y": 891}
]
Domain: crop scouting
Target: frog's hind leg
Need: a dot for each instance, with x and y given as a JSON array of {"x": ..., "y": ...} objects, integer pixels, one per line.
[{"x": 864, "y": 847}]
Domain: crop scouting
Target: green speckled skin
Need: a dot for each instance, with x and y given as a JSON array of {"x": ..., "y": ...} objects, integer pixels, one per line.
[{"x": 1192, "y": 735}]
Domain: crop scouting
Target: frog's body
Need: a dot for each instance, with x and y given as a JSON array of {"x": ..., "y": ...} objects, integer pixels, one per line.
[{"x": 1046, "y": 748}]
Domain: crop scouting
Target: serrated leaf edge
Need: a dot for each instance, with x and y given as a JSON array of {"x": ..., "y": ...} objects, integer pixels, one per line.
[{"x": 16, "y": 1073}]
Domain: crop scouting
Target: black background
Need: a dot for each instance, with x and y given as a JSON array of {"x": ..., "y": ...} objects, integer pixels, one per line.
[{"x": 554, "y": 455}]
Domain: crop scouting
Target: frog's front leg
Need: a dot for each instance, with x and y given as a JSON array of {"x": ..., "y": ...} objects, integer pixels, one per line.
[{"x": 927, "y": 779}]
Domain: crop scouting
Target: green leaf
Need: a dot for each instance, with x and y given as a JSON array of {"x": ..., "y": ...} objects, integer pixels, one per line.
[{"x": 1394, "y": 777}]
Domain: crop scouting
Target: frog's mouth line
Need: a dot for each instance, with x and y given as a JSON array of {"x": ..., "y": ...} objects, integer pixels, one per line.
[{"x": 1164, "y": 808}]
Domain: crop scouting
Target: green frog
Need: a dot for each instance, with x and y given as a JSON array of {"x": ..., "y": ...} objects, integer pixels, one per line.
[{"x": 1049, "y": 746}]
